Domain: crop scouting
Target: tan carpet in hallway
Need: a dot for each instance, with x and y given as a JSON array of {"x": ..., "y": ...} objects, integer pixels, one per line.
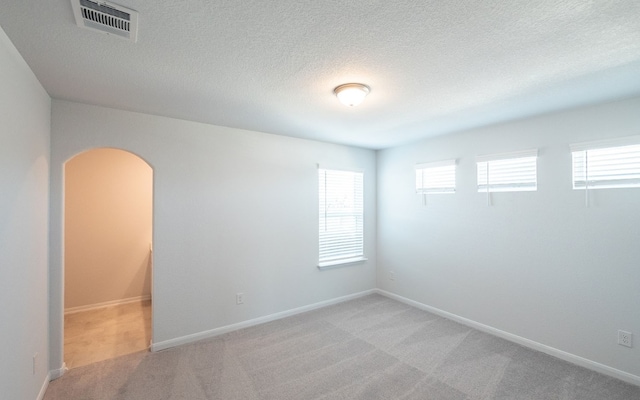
[{"x": 101, "y": 334}]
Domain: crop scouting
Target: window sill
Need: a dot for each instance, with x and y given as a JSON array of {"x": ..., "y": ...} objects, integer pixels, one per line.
[{"x": 341, "y": 263}]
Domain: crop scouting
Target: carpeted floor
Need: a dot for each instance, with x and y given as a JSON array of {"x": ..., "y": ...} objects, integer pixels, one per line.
[{"x": 369, "y": 348}]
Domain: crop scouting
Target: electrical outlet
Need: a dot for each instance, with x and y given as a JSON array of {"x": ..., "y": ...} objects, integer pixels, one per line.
[
  {"x": 625, "y": 338},
  {"x": 239, "y": 298},
  {"x": 392, "y": 276},
  {"x": 35, "y": 363}
]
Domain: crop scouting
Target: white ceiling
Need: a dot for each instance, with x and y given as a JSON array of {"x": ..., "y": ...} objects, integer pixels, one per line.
[{"x": 433, "y": 66}]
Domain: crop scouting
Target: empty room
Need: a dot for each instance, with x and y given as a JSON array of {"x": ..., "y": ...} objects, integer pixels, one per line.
[{"x": 320, "y": 200}]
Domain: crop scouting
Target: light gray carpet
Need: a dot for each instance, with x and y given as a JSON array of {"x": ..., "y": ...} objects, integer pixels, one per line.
[{"x": 370, "y": 348}]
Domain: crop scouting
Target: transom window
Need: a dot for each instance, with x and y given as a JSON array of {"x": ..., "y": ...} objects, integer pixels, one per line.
[
  {"x": 606, "y": 164},
  {"x": 508, "y": 172},
  {"x": 436, "y": 177}
]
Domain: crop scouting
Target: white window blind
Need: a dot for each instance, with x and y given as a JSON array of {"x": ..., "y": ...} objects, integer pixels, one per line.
[
  {"x": 596, "y": 166},
  {"x": 341, "y": 216},
  {"x": 508, "y": 172},
  {"x": 436, "y": 177}
]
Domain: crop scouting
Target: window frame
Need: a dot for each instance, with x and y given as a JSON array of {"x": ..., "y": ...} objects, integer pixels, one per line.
[
  {"x": 352, "y": 239},
  {"x": 500, "y": 162},
  {"x": 600, "y": 151},
  {"x": 439, "y": 173}
]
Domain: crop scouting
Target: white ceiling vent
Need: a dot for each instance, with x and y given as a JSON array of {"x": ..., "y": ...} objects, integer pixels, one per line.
[{"x": 107, "y": 18}]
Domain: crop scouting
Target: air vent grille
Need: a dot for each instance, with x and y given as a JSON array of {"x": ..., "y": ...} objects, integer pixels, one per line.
[{"x": 107, "y": 18}]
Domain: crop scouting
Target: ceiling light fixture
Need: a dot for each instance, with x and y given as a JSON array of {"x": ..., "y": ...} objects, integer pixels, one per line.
[{"x": 351, "y": 94}]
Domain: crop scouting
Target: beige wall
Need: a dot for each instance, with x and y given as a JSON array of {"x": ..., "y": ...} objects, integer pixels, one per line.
[{"x": 108, "y": 219}]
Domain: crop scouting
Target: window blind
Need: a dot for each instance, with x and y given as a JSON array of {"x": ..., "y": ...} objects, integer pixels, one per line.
[
  {"x": 607, "y": 167},
  {"x": 508, "y": 172},
  {"x": 341, "y": 211},
  {"x": 436, "y": 177}
]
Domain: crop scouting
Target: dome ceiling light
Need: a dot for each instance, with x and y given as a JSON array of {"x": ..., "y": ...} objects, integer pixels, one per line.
[{"x": 351, "y": 94}]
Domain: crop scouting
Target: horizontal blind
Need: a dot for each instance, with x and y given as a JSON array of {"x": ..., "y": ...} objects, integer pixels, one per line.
[
  {"x": 436, "y": 177},
  {"x": 599, "y": 144},
  {"x": 612, "y": 167},
  {"x": 341, "y": 211},
  {"x": 509, "y": 172}
]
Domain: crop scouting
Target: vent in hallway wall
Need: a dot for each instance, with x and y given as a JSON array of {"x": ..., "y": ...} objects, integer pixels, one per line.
[{"x": 107, "y": 18}]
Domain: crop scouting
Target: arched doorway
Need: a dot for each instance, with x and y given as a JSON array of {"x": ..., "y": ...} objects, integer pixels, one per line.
[{"x": 108, "y": 211}]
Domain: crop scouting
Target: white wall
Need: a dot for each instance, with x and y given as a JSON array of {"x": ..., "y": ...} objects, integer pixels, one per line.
[
  {"x": 108, "y": 213},
  {"x": 25, "y": 110},
  {"x": 539, "y": 265},
  {"x": 234, "y": 211}
]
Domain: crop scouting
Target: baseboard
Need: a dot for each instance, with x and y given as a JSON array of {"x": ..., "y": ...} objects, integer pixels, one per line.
[
  {"x": 563, "y": 355},
  {"x": 252, "y": 322},
  {"x": 72, "y": 310},
  {"x": 57, "y": 373},
  {"x": 44, "y": 387}
]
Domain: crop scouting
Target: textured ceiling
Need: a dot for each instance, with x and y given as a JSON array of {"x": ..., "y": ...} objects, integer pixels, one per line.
[{"x": 433, "y": 66}]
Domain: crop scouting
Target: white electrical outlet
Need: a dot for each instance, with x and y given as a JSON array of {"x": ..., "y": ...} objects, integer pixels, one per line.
[
  {"x": 35, "y": 363},
  {"x": 392, "y": 276},
  {"x": 239, "y": 298},
  {"x": 625, "y": 338}
]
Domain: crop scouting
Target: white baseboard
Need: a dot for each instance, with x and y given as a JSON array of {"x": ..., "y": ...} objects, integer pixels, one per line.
[
  {"x": 72, "y": 310},
  {"x": 252, "y": 322},
  {"x": 57, "y": 373},
  {"x": 563, "y": 355},
  {"x": 44, "y": 387}
]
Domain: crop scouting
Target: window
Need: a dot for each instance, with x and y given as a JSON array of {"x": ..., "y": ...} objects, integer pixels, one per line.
[
  {"x": 606, "y": 164},
  {"x": 509, "y": 172},
  {"x": 341, "y": 217},
  {"x": 436, "y": 177}
]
